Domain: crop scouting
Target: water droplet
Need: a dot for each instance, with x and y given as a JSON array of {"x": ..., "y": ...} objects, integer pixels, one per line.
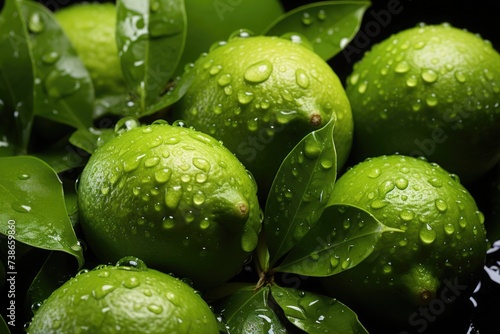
[
  {"x": 321, "y": 15},
  {"x": 335, "y": 261},
  {"x": 253, "y": 124},
  {"x": 131, "y": 263},
  {"x": 224, "y": 80},
  {"x": 306, "y": 19},
  {"x": 427, "y": 234},
  {"x": 60, "y": 83},
  {"x": 429, "y": 76},
  {"x": 202, "y": 164},
  {"x": 374, "y": 173},
  {"x": 131, "y": 282},
  {"x": 126, "y": 124},
  {"x": 259, "y": 72},
  {"x": 406, "y": 215},
  {"x": 302, "y": 78},
  {"x": 441, "y": 205},
  {"x": 362, "y": 87},
  {"x": 205, "y": 223},
  {"x": 228, "y": 90},
  {"x": 172, "y": 140},
  {"x": 245, "y": 97},
  {"x": 401, "y": 183},
  {"x": 326, "y": 163},
  {"x": 103, "y": 291},
  {"x": 346, "y": 263},
  {"x": 431, "y": 100},
  {"x": 488, "y": 74},
  {"x": 386, "y": 187},
  {"x": 23, "y": 176},
  {"x": 21, "y": 208},
  {"x": 173, "y": 196},
  {"x": 249, "y": 240},
  {"x": 35, "y": 23},
  {"x": 311, "y": 148},
  {"x": 156, "y": 309},
  {"x": 449, "y": 228},
  {"x": 378, "y": 204},
  {"x": 480, "y": 217},
  {"x": 460, "y": 76},
  {"x": 50, "y": 57},
  {"x": 214, "y": 70},
  {"x": 169, "y": 223},
  {"x": 435, "y": 182},
  {"x": 412, "y": 81},
  {"x": 151, "y": 162},
  {"x": 402, "y": 67},
  {"x": 462, "y": 222},
  {"x": 130, "y": 165},
  {"x": 199, "y": 198}
]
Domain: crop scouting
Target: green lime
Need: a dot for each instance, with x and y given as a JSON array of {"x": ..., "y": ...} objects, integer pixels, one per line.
[
  {"x": 126, "y": 298},
  {"x": 174, "y": 197},
  {"x": 442, "y": 242},
  {"x": 430, "y": 91},
  {"x": 211, "y": 21},
  {"x": 260, "y": 96},
  {"x": 91, "y": 26}
]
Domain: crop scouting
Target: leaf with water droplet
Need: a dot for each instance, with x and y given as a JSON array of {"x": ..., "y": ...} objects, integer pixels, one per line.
[
  {"x": 328, "y": 25},
  {"x": 44, "y": 222},
  {"x": 248, "y": 311},
  {"x": 90, "y": 139},
  {"x": 350, "y": 244},
  {"x": 315, "y": 313},
  {"x": 302, "y": 198},
  {"x": 16, "y": 83},
  {"x": 65, "y": 93},
  {"x": 150, "y": 51}
]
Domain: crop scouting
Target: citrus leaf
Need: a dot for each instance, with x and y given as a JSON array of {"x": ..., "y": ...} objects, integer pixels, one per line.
[
  {"x": 248, "y": 311},
  {"x": 315, "y": 313},
  {"x": 150, "y": 38},
  {"x": 62, "y": 156},
  {"x": 328, "y": 25},
  {"x": 32, "y": 206},
  {"x": 343, "y": 237},
  {"x": 3, "y": 326},
  {"x": 300, "y": 191},
  {"x": 90, "y": 139},
  {"x": 16, "y": 81},
  {"x": 63, "y": 88}
]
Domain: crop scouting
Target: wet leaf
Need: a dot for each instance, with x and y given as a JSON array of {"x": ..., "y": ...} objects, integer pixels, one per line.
[
  {"x": 248, "y": 311},
  {"x": 343, "y": 237},
  {"x": 151, "y": 37},
  {"x": 90, "y": 139},
  {"x": 62, "y": 156},
  {"x": 328, "y": 25},
  {"x": 300, "y": 191},
  {"x": 16, "y": 90},
  {"x": 3, "y": 326},
  {"x": 63, "y": 88},
  {"x": 32, "y": 206},
  {"x": 315, "y": 313}
]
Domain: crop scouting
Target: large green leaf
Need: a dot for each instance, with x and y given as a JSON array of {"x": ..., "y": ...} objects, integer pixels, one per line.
[
  {"x": 32, "y": 206},
  {"x": 151, "y": 37},
  {"x": 343, "y": 237},
  {"x": 248, "y": 311},
  {"x": 16, "y": 80},
  {"x": 328, "y": 25},
  {"x": 300, "y": 191},
  {"x": 63, "y": 88},
  {"x": 315, "y": 313}
]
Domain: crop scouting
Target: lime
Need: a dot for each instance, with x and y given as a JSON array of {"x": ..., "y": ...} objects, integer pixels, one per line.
[
  {"x": 211, "y": 21},
  {"x": 442, "y": 241},
  {"x": 430, "y": 91},
  {"x": 174, "y": 197},
  {"x": 260, "y": 96},
  {"x": 126, "y": 298},
  {"x": 91, "y": 27}
]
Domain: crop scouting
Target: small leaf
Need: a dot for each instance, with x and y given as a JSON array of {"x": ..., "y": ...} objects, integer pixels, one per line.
[
  {"x": 3, "y": 326},
  {"x": 328, "y": 25},
  {"x": 32, "y": 206},
  {"x": 343, "y": 237},
  {"x": 315, "y": 313},
  {"x": 16, "y": 81},
  {"x": 151, "y": 37},
  {"x": 62, "y": 156},
  {"x": 248, "y": 311},
  {"x": 63, "y": 88},
  {"x": 300, "y": 191},
  {"x": 90, "y": 139}
]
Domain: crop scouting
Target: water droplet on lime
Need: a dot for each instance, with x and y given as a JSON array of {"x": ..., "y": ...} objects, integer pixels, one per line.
[
  {"x": 427, "y": 234},
  {"x": 302, "y": 78},
  {"x": 259, "y": 72}
]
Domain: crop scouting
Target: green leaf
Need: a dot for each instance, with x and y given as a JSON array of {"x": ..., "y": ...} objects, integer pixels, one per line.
[
  {"x": 248, "y": 311},
  {"x": 300, "y": 191},
  {"x": 343, "y": 237},
  {"x": 3, "y": 326},
  {"x": 32, "y": 206},
  {"x": 315, "y": 313},
  {"x": 328, "y": 25},
  {"x": 63, "y": 88},
  {"x": 150, "y": 37},
  {"x": 62, "y": 156},
  {"x": 57, "y": 269},
  {"x": 90, "y": 139},
  {"x": 16, "y": 80}
]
